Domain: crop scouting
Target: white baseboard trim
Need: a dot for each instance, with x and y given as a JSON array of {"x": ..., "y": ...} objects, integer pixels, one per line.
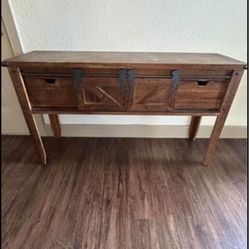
[
  {"x": 13, "y": 122},
  {"x": 145, "y": 131},
  {"x": 149, "y": 131}
]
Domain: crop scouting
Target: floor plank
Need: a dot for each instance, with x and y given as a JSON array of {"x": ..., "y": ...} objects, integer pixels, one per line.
[{"x": 121, "y": 193}]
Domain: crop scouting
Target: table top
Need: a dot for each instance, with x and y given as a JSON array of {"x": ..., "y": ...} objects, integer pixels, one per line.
[{"x": 121, "y": 59}]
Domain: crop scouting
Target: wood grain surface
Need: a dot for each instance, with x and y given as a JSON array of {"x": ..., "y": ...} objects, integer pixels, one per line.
[
  {"x": 53, "y": 59},
  {"x": 221, "y": 118},
  {"x": 120, "y": 193},
  {"x": 146, "y": 83},
  {"x": 55, "y": 124},
  {"x": 193, "y": 127},
  {"x": 25, "y": 104}
]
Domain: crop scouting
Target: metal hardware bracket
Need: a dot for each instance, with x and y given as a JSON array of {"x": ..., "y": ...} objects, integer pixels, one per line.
[
  {"x": 77, "y": 76},
  {"x": 121, "y": 78},
  {"x": 131, "y": 78},
  {"x": 175, "y": 80}
]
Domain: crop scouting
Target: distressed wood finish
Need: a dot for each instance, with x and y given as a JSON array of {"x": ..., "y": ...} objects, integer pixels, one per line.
[
  {"x": 101, "y": 93},
  {"x": 190, "y": 95},
  {"x": 194, "y": 84},
  {"x": 129, "y": 60},
  {"x": 27, "y": 111},
  {"x": 50, "y": 91},
  {"x": 55, "y": 124},
  {"x": 193, "y": 128},
  {"x": 149, "y": 95},
  {"x": 221, "y": 118},
  {"x": 135, "y": 194}
]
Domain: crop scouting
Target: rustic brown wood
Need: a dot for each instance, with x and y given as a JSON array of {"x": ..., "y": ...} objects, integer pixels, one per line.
[
  {"x": 49, "y": 91},
  {"x": 145, "y": 60},
  {"x": 193, "y": 128},
  {"x": 153, "y": 72},
  {"x": 149, "y": 94},
  {"x": 55, "y": 124},
  {"x": 76, "y": 111},
  {"x": 130, "y": 83},
  {"x": 101, "y": 93},
  {"x": 221, "y": 118},
  {"x": 135, "y": 194},
  {"x": 190, "y": 95},
  {"x": 26, "y": 108}
]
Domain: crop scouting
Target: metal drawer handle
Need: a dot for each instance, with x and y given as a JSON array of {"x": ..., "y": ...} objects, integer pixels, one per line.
[
  {"x": 202, "y": 82},
  {"x": 131, "y": 78},
  {"x": 121, "y": 78},
  {"x": 175, "y": 80}
]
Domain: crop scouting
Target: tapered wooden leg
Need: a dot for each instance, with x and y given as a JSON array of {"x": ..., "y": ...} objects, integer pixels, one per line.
[
  {"x": 55, "y": 124},
  {"x": 194, "y": 126},
  {"x": 213, "y": 141},
  {"x": 221, "y": 118},
  {"x": 27, "y": 111}
]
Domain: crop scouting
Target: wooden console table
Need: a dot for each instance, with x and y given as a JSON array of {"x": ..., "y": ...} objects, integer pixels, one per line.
[{"x": 56, "y": 82}]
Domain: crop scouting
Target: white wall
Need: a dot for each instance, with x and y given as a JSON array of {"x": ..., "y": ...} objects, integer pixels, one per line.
[{"x": 137, "y": 25}]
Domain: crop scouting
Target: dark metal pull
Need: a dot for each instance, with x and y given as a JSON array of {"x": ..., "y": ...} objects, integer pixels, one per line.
[
  {"x": 175, "y": 80},
  {"x": 121, "y": 78},
  {"x": 131, "y": 79},
  {"x": 202, "y": 82},
  {"x": 77, "y": 76}
]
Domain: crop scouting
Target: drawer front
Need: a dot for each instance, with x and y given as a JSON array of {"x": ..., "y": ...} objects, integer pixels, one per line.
[
  {"x": 198, "y": 89},
  {"x": 51, "y": 91},
  {"x": 101, "y": 94},
  {"x": 149, "y": 94},
  {"x": 200, "y": 94}
]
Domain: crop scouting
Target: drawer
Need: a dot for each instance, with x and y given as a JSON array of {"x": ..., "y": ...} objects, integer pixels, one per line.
[
  {"x": 202, "y": 93},
  {"x": 51, "y": 91}
]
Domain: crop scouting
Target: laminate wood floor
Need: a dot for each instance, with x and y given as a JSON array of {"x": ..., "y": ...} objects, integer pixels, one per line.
[{"x": 121, "y": 193}]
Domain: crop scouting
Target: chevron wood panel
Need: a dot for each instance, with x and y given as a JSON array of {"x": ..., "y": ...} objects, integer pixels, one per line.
[
  {"x": 150, "y": 94},
  {"x": 102, "y": 93}
]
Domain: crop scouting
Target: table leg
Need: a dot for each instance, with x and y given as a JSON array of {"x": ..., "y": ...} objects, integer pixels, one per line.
[
  {"x": 27, "y": 111},
  {"x": 55, "y": 124},
  {"x": 194, "y": 126},
  {"x": 213, "y": 141},
  {"x": 221, "y": 118}
]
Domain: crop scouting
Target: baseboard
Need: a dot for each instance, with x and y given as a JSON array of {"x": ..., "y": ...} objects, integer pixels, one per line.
[
  {"x": 13, "y": 122},
  {"x": 146, "y": 131},
  {"x": 149, "y": 131}
]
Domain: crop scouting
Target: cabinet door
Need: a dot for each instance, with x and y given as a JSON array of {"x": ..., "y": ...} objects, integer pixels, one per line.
[
  {"x": 149, "y": 95},
  {"x": 149, "y": 92},
  {"x": 101, "y": 93}
]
